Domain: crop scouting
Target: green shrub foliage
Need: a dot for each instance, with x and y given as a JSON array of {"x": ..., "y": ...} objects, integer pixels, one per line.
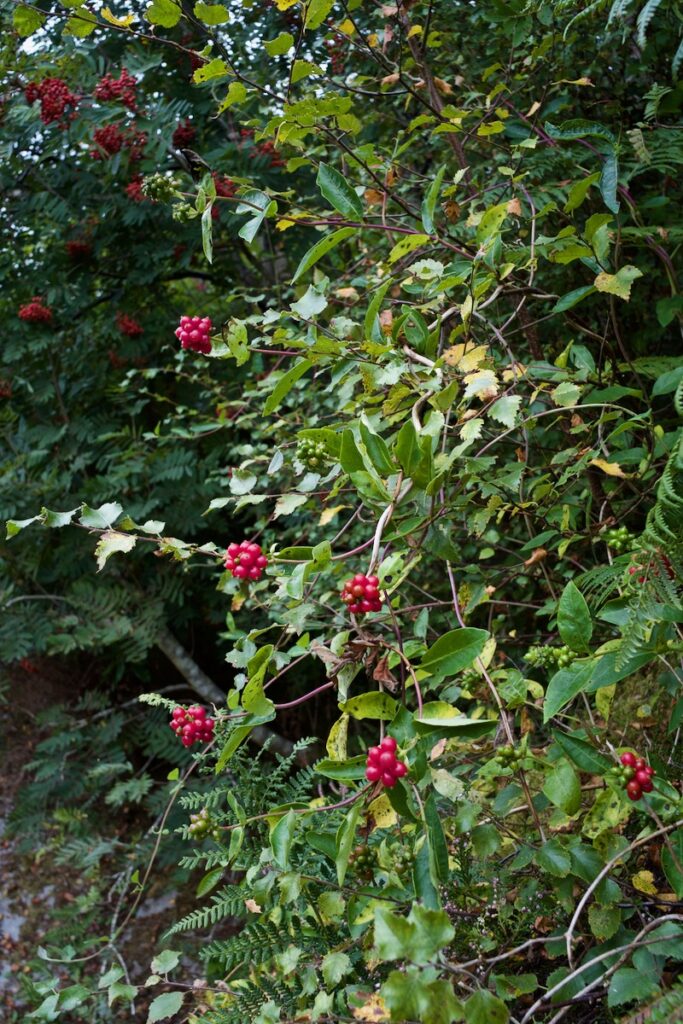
[{"x": 436, "y": 245}]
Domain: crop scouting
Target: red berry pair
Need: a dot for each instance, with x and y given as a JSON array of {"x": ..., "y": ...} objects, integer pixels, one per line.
[
  {"x": 383, "y": 765},
  {"x": 194, "y": 333},
  {"x": 35, "y": 312},
  {"x": 245, "y": 560},
  {"x": 192, "y": 725},
  {"x": 361, "y": 594},
  {"x": 640, "y": 780}
]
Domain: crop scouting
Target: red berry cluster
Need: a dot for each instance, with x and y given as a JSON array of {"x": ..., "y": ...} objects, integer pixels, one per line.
[
  {"x": 226, "y": 188},
  {"x": 183, "y": 135},
  {"x": 55, "y": 96},
  {"x": 245, "y": 560},
  {"x": 268, "y": 149},
  {"x": 35, "y": 312},
  {"x": 668, "y": 567},
  {"x": 361, "y": 594},
  {"x": 638, "y": 775},
  {"x": 122, "y": 88},
  {"x": 337, "y": 52},
  {"x": 194, "y": 332},
  {"x": 128, "y": 325},
  {"x": 111, "y": 139},
  {"x": 78, "y": 251},
  {"x": 134, "y": 189},
  {"x": 192, "y": 725},
  {"x": 383, "y": 765}
]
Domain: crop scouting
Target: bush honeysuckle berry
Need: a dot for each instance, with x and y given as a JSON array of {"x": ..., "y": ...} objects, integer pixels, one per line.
[
  {"x": 159, "y": 188},
  {"x": 245, "y": 561},
  {"x": 192, "y": 725},
  {"x": 202, "y": 826},
  {"x": 361, "y": 594},
  {"x": 383, "y": 765},
  {"x": 635, "y": 775},
  {"x": 363, "y": 860},
  {"x": 550, "y": 657},
  {"x": 509, "y": 757},
  {"x": 194, "y": 332},
  {"x": 619, "y": 540},
  {"x": 312, "y": 454},
  {"x": 35, "y": 312}
]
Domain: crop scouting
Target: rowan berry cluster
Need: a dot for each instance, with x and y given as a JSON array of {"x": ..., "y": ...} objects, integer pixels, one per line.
[
  {"x": 183, "y": 135},
  {"x": 337, "y": 52},
  {"x": 361, "y": 594},
  {"x": 192, "y": 725},
  {"x": 35, "y": 312},
  {"x": 111, "y": 139},
  {"x": 135, "y": 190},
  {"x": 635, "y": 775},
  {"x": 122, "y": 88},
  {"x": 245, "y": 560},
  {"x": 226, "y": 189},
  {"x": 312, "y": 454},
  {"x": 55, "y": 96},
  {"x": 268, "y": 149},
  {"x": 78, "y": 251},
  {"x": 550, "y": 657},
  {"x": 619, "y": 540},
  {"x": 129, "y": 326},
  {"x": 202, "y": 826},
  {"x": 194, "y": 332},
  {"x": 383, "y": 765}
]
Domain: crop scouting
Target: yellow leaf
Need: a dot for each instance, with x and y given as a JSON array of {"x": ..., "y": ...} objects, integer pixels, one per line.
[
  {"x": 384, "y": 814},
  {"x": 288, "y": 222},
  {"x": 611, "y": 468},
  {"x": 284, "y": 5},
  {"x": 328, "y": 514},
  {"x": 374, "y": 1010},
  {"x": 603, "y": 700},
  {"x": 533, "y": 108},
  {"x": 644, "y": 881},
  {"x": 464, "y": 357},
  {"x": 347, "y": 27},
  {"x": 336, "y": 740},
  {"x": 113, "y": 20},
  {"x": 575, "y": 81},
  {"x": 416, "y": 30},
  {"x": 620, "y": 283},
  {"x": 373, "y": 39}
]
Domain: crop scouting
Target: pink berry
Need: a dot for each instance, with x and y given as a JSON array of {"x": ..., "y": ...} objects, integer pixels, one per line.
[
  {"x": 240, "y": 572},
  {"x": 400, "y": 769},
  {"x": 372, "y": 773},
  {"x": 388, "y": 780},
  {"x": 389, "y": 743},
  {"x": 628, "y": 759}
]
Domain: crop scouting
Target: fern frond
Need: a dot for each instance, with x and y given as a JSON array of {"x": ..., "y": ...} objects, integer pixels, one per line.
[{"x": 227, "y": 902}]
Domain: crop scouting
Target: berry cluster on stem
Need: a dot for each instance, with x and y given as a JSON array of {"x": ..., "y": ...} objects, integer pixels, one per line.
[
  {"x": 122, "y": 88},
  {"x": 194, "y": 332},
  {"x": 183, "y": 135},
  {"x": 129, "y": 326},
  {"x": 55, "y": 96},
  {"x": 361, "y": 594},
  {"x": 635, "y": 775},
  {"x": 35, "y": 312},
  {"x": 245, "y": 560},
  {"x": 383, "y": 765},
  {"x": 192, "y": 725}
]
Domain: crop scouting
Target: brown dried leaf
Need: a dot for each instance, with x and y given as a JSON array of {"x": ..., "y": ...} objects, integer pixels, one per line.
[
  {"x": 383, "y": 674},
  {"x": 537, "y": 555}
]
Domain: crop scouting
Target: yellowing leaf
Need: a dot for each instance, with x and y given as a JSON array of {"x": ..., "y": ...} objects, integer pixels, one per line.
[
  {"x": 483, "y": 384},
  {"x": 644, "y": 881},
  {"x": 288, "y": 222},
  {"x": 284, "y": 5},
  {"x": 383, "y": 813},
  {"x": 374, "y": 1010},
  {"x": 611, "y": 468},
  {"x": 373, "y": 39},
  {"x": 336, "y": 741},
  {"x": 533, "y": 108},
  {"x": 619, "y": 283},
  {"x": 347, "y": 27},
  {"x": 328, "y": 514},
  {"x": 416, "y": 30},
  {"x": 464, "y": 357},
  {"x": 113, "y": 20}
]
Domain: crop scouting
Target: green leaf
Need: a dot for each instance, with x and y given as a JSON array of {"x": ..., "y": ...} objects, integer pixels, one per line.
[
  {"x": 574, "y": 619},
  {"x": 311, "y": 303},
  {"x": 165, "y": 13},
  {"x": 238, "y": 341},
  {"x": 604, "y": 921},
  {"x": 207, "y": 233},
  {"x": 55, "y": 520},
  {"x": 316, "y": 12},
  {"x": 263, "y": 204},
  {"x": 485, "y": 1008},
  {"x": 15, "y": 526},
  {"x": 304, "y": 69},
  {"x": 377, "y": 449},
  {"x": 375, "y": 705},
  {"x": 26, "y": 21},
  {"x": 282, "y": 837},
  {"x": 414, "y": 454},
  {"x": 454, "y": 651},
  {"x": 284, "y": 385},
  {"x": 237, "y": 93},
  {"x": 416, "y": 994},
  {"x": 562, "y": 787},
  {"x": 505, "y": 409},
  {"x": 490, "y": 223},
  {"x": 417, "y": 937},
  {"x": 407, "y": 245},
  {"x": 206, "y": 884},
  {"x": 345, "y": 838},
  {"x": 553, "y": 858},
  {"x": 168, "y": 958},
  {"x": 430, "y": 200},
  {"x": 372, "y": 326},
  {"x": 671, "y": 869},
  {"x": 283, "y": 43},
  {"x": 579, "y": 191},
  {"x": 238, "y": 736},
  {"x": 120, "y": 990},
  {"x": 342, "y": 771},
  {"x": 620, "y": 283},
  {"x": 334, "y": 967},
  {"x": 164, "y": 1006},
  {"x": 583, "y": 754},
  {"x": 337, "y": 191},
  {"x": 573, "y": 298},
  {"x": 629, "y": 984},
  {"x": 211, "y": 14},
  {"x": 110, "y": 542},
  {"x": 317, "y": 251},
  {"x": 565, "y": 685},
  {"x": 100, "y": 518},
  {"x": 438, "y": 848}
]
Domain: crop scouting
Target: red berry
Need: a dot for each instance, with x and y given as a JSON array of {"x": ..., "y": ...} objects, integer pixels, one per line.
[
  {"x": 628, "y": 759},
  {"x": 634, "y": 790},
  {"x": 649, "y": 770},
  {"x": 388, "y": 743},
  {"x": 178, "y": 712},
  {"x": 361, "y": 594},
  {"x": 245, "y": 560},
  {"x": 639, "y": 764},
  {"x": 647, "y": 786},
  {"x": 400, "y": 769},
  {"x": 388, "y": 780},
  {"x": 372, "y": 773},
  {"x": 194, "y": 333},
  {"x": 240, "y": 572},
  {"x": 642, "y": 777},
  {"x": 374, "y": 755},
  {"x": 387, "y": 760}
]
